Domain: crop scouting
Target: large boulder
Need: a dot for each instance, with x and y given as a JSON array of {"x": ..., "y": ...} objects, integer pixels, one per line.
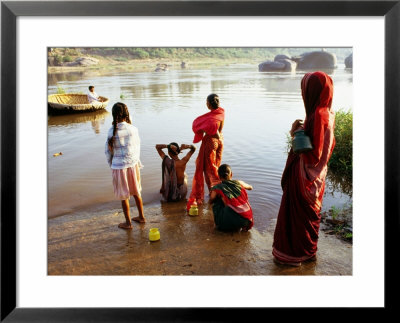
[
  {"x": 281, "y": 63},
  {"x": 84, "y": 61},
  {"x": 161, "y": 68},
  {"x": 51, "y": 60},
  {"x": 280, "y": 57},
  {"x": 316, "y": 60},
  {"x": 348, "y": 62}
]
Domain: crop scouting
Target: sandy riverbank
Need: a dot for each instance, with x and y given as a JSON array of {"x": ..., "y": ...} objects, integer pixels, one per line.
[
  {"x": 148, "y": 65},
  {"x": 90, "y": 243}
]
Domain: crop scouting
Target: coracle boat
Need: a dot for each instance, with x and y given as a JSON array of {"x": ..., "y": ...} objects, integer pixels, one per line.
[{"x": 73, "y": 103}]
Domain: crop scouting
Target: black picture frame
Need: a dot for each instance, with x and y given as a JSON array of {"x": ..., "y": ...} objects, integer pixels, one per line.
[{"x": 10, "y": 10}]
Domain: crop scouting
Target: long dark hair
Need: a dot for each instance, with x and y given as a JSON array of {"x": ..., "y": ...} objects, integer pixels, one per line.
[
  {"x": 120, "y": 113},
  {"x": 213, "y": 99}
]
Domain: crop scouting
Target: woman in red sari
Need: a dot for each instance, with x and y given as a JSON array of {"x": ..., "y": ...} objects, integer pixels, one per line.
[
  {"x": 207, "y": 129},
  {"x": 303, "y": 179}
]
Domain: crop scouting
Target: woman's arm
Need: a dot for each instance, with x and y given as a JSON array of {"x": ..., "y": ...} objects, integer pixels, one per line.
[
  {"x": 219, "y": 130},
  {"x": 245, "y": 185},
  {"x": 159, "y": 148},
  {"x": 221, "y": 125},
  {"x": 213, "y": 196},
  {"x": 190, "y": 153},
  {"x": 109, "y": 153},
  {"x": 296, "y": 125}
]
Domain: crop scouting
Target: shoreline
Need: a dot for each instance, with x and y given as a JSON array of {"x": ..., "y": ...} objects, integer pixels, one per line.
[
  {"x": 148, "y": 65},
  {"x": 90, "y": 243}
]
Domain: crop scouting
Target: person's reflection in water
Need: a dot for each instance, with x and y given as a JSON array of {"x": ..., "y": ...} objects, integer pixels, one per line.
[{"x": 96, "y": 125}]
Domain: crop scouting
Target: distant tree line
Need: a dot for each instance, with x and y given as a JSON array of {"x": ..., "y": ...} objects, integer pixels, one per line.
[{"x": 261, "y": 53}]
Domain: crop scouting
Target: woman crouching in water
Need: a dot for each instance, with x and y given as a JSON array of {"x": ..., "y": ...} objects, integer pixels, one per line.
[
  {"x": 231, "y": 207},
  {"x": 123, "y": 156}
]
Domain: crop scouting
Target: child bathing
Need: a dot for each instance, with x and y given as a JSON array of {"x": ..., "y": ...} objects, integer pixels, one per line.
[
  {"x": 174, "y": 178},
  {"x": 123, "y": 155},
  {"x": 231, "y": 207}
]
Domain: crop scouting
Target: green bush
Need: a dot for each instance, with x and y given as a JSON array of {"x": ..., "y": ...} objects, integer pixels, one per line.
[
  {"x": 121, "y": 59},
  {"x": 341, "y": 161},
  {"x": 67, "y": 58},
  {"x": 72, "y": 52},
  {"x": 58, "y": 59},
  {"x": 139, "y": 53}
]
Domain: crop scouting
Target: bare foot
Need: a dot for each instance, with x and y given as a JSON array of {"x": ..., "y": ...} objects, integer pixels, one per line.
[
  {"x": 139, "y": 219},
  {"x": 124, "y": 225}
]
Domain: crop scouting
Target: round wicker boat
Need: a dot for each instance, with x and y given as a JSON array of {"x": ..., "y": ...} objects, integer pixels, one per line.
[{"x": 73, "y": 103}]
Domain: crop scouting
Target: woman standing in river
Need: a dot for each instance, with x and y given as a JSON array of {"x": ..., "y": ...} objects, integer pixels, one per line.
[
  {"x": 303, "y": 179},
  {"x": 122, "y": 150},
  {"x": 207, "y": 129}
]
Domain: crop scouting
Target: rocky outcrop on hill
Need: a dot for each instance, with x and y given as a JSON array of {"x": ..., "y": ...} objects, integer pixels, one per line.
[{"x": 83, "y": 61}]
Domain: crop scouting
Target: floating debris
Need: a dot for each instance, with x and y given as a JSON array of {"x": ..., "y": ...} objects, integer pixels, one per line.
[{"x": 57, "y": 154}]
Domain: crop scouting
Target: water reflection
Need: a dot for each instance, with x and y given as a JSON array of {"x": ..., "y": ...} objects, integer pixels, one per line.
[
  {"x": 281, "y": 83},
  {"x": 340, "y": 183},
  {"x": 55, "y": 78},
  {"x": 164, "y": 106},
  {"x": 349, "y": 72},
  {"x": 329, "y": 71},
  {"x": 76, "y": 76},
  {"x": 186, "y": 88},
  {"x": 97, "y": 118},
  {"x": 168, "y": 208}
]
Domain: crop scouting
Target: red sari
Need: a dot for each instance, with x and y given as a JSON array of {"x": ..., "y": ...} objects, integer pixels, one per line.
[
  {"x": 303, "y": 179},
  {"x": 210, "y": 154}
]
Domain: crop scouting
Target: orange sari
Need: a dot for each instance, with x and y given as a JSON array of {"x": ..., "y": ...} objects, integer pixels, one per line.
[{"x": 209, "y": 158}]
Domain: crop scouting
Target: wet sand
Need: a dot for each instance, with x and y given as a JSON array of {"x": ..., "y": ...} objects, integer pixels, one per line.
[{"x": 90, "y": 243}]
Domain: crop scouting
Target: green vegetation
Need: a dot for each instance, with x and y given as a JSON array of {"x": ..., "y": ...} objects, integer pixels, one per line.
[
  {"x": 334, "y": 212},
  {"x": 121, "y": 59},
  {"x": 60, "y": 90},
  {"x": 190, "y": 53},
  {"x": 348, "y": 236},
  {"x": 341, "y": 162},
  {"x": 338, "y": 221},
  {"x": 58, "y": 59},
  {"x": 67, "y": 58}
]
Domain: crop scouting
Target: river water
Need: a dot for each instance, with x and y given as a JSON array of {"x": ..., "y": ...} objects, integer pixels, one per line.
[{"x": 260, "y": 108}]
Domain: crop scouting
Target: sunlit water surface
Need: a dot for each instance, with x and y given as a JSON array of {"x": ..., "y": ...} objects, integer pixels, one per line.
[{"x": 260, "y": 108}]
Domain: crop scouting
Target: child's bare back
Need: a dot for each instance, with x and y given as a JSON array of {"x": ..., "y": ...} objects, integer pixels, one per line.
[{"x": 179, "y": 166}]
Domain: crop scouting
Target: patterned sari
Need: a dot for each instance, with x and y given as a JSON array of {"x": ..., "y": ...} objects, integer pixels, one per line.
[
  {"x": 210, "y": 154},
  {"x": 303, "y": 179},
  {"x": 233, "y": 210}
]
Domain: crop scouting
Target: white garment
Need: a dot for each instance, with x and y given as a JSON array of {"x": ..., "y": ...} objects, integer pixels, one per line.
[
  {"x": 126, "y": 147},
  {"x": 92, "y": 96}
]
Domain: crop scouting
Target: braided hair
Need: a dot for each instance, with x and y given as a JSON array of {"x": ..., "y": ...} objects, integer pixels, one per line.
[{"x": 120, "y": 113}]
